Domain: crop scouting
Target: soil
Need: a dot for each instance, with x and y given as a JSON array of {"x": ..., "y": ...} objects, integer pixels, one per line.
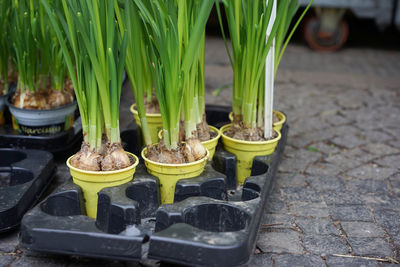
[
  {"x": 159, "y": 153},
  {"x": 238, "y": 131},
  {"x": 212, "y": 135},
  {"x": 12, "y": 73},
  {"x": 203, "y": 132},
  {"x": 190, "y": 151},
  {"x": 42, "y": 99},
  {"x": 275, "y": 118},
  {"x": 111, "y": 158},
  {"x": 152, "y": 107}
]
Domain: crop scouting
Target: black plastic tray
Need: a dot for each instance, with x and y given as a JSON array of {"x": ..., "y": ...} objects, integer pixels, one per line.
[
  {"x": 68, "y": 141},
  {"x": 212, "y": 222},
  {"x": 24, "y": 176}
]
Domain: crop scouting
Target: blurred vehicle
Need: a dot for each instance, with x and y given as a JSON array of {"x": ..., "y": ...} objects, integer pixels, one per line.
[{"x": 326, "y": 29}]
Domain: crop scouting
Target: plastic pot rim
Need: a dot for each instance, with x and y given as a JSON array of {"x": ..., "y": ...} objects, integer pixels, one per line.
[
  {"x": 281, "y": 116},
  {"x": 211, "y": 128},
  {"x": 104, "y": 172},
  {"x": 135, "y": 112},
  {"x": 11, "y": 106},
  {"x": 173, "y": 165},
  {"x": 227, "y": 126}
]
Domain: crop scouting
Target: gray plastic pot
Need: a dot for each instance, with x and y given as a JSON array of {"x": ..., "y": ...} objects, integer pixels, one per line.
[{"x": 42, "y": 122}]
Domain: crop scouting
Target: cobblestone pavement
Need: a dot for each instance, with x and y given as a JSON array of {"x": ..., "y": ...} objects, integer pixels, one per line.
[{"x": 338, "y": 187}]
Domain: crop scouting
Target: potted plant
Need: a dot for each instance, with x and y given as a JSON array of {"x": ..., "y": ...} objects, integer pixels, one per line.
[
  {"x": 95, "y": 57},
  {"x": 139, "y": 69},
  {"x": 4, "y": 55},
  {"x": 255, "y": 28},
  {"x": 41, "y": 105},
  {"x": 172, "y": 53}
]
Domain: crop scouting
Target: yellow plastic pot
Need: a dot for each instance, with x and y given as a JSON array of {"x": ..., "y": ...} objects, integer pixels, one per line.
[
  {"x": 210, "y": 145},
  {"x": 92, "y": 182},
  {"x": 282, "y": 119},
  {"x": 170, "y": 174},
  {"x": 153, "y": 120},
  {"x": 245, "y": 151},
  {"x": 277, "y": 125}
]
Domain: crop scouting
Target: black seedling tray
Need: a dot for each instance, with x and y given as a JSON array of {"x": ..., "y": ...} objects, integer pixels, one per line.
[
  {"x": 24, "y": 176},
  {"x": 67, "y": 142},
  {"x": 212, "y": 222}
]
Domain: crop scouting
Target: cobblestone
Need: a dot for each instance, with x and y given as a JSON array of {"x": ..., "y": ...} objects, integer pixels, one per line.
[
  {"x": 326, "y": 183},
  {"x": 362, "y": 229},
  {"x": 9, "y": 241},
  {"x": 297, "y": 260},
  {"x": 350, "y": 213},
  {"x": 358, "y": 154},
  {"x": 390, "y": 161},
  {"x": 389, "y": 220},
  {"x": 309, "y": 209},
  {"x": 295, "y": 194},
  {"x": 379, "y": 201},
  {"x": 372, "y": 171},
  {"x": 276, "y": 221},
  {"x": 333, "y": 261},
  {"x": 275, "y": 205},
  {"x": 324, "y": 244},
  {"x": 368, "y": 246},
  {"x": 380, "y": 149},
  {"x": 287, "y": 241},
  {"x": 316, "y": 226},
  {"x": 344, "y": 197},
  {"x": 376, "y": 136},
  {"x": 6, "y": 260},
  {"x": 328, "y": 149},
  {"x": 261, "y": 260},
  {"x": 348, "y": 141},
  {"x": 343, "y": 162},
  {"x": 322, "y": 168},
  {"x": 38, "y": 262},
  {"x": 367, "y": 186},
  {"x": 290, "y": 180}
]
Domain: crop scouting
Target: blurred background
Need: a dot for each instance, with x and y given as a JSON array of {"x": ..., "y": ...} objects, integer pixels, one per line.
[{"x": 335, "y": 24}]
